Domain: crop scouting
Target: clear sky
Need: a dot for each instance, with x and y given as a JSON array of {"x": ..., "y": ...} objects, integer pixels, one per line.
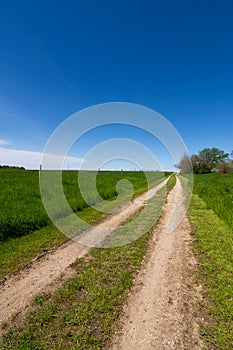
[{"x": 58, "y": 57}]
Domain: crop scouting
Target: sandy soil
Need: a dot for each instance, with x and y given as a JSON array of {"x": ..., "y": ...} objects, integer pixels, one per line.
[
  {"x": 159, "y": 312},
  {"x": 45, "y": 274}
]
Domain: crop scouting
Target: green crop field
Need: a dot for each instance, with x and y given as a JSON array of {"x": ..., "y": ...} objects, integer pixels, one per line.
[
  {"x": 22, "y": 211},
  {"x": 25, "y": 228},
  {"x": 211, "y": 215}
]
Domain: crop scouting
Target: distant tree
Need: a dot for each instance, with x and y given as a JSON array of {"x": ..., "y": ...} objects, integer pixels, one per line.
[
  {"x": 225, "y": 167},
  {"x": 208, "y": 159},
  {"x": 197, "y": 164},
  {"x": 213, "y": 156},
  {"x": 205, "y": 162},
  {"x": 11, "y": 167},
  {"x": 185, "y": 165}
]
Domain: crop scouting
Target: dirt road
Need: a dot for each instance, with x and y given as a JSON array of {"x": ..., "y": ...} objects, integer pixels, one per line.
[
  {"x": 17, "y": 292},
  {"x": 159, "y": 312}
]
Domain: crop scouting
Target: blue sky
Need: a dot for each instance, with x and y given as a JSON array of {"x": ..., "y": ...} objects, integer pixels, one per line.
[{"x": 58, "y": 57}]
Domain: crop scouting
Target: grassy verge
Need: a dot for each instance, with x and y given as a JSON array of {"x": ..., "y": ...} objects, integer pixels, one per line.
[
  {"x": 214, "y": 248},
  {"x": 18, "y": 252},
  {"x": 80, "y": 314},
  {"x": 217, "y": 192}
]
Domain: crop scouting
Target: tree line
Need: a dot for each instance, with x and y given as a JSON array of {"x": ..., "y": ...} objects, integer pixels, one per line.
[
  {"x": 206, "y": 161},
  {"x": 11, "y": 167}
]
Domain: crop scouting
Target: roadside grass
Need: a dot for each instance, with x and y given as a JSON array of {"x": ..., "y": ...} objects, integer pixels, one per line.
[
  {"x": 81, "y": 313},
  {"x": 214, "y": 249},
  {"x": 17, "y": 252},
  {"x": 217, "y": 192}
]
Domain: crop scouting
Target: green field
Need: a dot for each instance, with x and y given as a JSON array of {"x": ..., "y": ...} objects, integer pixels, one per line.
[
  {"x": 211, "y": 215},
  {"x": 22, "y": 209},
  {"x": 25, "y": 228}
]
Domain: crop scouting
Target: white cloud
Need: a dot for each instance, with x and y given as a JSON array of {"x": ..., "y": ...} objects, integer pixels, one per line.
[
  {"x": 4, "y": 142},
  {"x": 32, "y": 160}
]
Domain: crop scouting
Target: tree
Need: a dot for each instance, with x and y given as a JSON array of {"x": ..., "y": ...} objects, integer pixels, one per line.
[
  {"x": 205, "y": 162},
  {"x": 225, "y": 167},
  {"x": 185, "y": 165},
  {"x": 11, "y": 167},
  {"x": 197, "y": 164},
  {"x": 213, "y": 156}
]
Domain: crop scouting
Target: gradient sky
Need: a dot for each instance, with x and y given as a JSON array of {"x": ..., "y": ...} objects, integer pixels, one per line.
[{"x": 58, "y": 57}]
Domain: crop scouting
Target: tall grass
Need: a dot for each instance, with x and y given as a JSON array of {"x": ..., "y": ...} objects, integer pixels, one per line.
[
  {"x": 212, "y": 222},
  {"x": 22, "y": 211},
  {"x": 217, "y": 192}
]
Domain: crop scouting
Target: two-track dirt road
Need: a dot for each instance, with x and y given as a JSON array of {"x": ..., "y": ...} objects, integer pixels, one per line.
[
  {"x": 17, "y": 292},
  {"x": 159, "y": 311}
]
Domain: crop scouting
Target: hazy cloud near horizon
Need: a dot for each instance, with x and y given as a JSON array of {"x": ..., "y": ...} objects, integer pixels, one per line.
[
  {"x": 32, "y": 160},
  {"x": 4, "y": 142}
]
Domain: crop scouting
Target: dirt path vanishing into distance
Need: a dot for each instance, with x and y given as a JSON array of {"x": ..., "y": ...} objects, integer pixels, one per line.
[
  {"x": 159, "y": 312},
  {"x": 46, "y": 273}
]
